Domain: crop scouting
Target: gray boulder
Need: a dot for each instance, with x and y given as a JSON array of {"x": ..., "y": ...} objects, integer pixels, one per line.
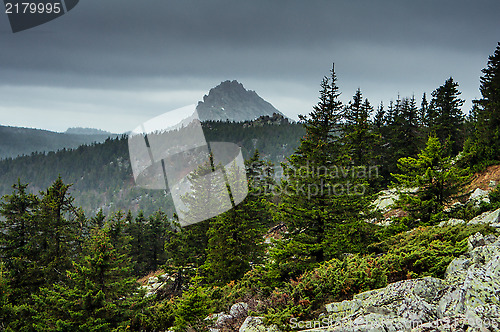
[
  {"x": 399, "y": 306},
  {"x": 451, "y": 222},
  {"x": 256, "y": 324},
  {"x": 239, "y": 309},
  {"x": 479, "y": 195},
  {"x": 467, "y": 300},
  {"x": 490, "y": 217},
  {"x": 385, "y": 200}
]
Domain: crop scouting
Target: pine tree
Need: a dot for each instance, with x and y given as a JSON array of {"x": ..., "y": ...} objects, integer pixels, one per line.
[
  {"x": 99, "y": 219},
  {"x": 185, "y": 248},
  {"x": 445, "y": 116},
  {"x": 57, "y": 231},
  {"x": 424, "y": 109},
  {"x": 315, "y": 200},
  {"x": 116, "y": 227},
  {"x": 380, "y": 118},
  {"x": 323, "y": 126},
  {"x": 402, "y": 133},
  {"x": 7, "y": 311},
  {"x": 157, "y": 227},
  {"x": 235, "y": 237},
  {"x": 359, "y": 137},
  {"x": 97, "y": 295},
  {"x": 485, "y": 147},
  {"x": 437, "y": 179},
  {"x": 136, "y": 229},
  {"x": 18, "y": 247}
]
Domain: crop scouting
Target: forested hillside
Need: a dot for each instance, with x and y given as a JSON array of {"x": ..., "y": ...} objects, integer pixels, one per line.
[
  {"x": 292, "y": 246},
  {"x": 102, "y": 177}
]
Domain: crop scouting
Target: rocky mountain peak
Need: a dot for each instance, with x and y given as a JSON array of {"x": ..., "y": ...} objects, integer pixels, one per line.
[{"x": 230, "y": 101}]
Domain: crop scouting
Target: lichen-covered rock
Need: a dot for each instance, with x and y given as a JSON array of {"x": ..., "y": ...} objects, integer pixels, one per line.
[
  {"x": 467, "y": 300},
  {"x": 399, "y": 306},
  {"x": 474, "y": 289},
  {"x": 339, "y": 310},
  {"x": 479, "y": 195},
  {"x": 253, "y": 324},
  {"x": 489, "y": 217},
  {"x": 152, "y": 280},
  {"x": 479, "y": 240},
  {"x": 386, "y": 200},
  {"x": 239, "y": 309},
  {"x": 451, "y": 222},
  {"x": 256, "y": 324}
]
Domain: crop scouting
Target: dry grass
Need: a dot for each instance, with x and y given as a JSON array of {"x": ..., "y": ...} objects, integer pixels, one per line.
[{"x": 482, "y": 180}]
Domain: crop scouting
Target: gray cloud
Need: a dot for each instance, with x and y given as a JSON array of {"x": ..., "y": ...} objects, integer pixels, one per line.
[{"x": 127, "y": 60}]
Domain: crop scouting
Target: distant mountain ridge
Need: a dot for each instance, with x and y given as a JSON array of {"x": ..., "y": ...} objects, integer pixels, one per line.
[
  {"x": 17, "y": 141},
  {"x": 87, "y": 131},
  {"x": 230, "y": 101}
]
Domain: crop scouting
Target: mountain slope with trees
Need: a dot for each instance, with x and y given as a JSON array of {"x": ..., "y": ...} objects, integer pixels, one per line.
[
  {"x": 64, "y": 270},
  {"x": 15, "y": 141},
  {"x": 102, "y": 177}
]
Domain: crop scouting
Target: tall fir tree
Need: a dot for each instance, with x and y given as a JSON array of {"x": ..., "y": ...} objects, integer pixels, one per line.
[
  {"x": 314, "y": 199},
  {"x": 156, "y": 231},
  {"x": 58, "y": 230},
  {"x": 445, "y": 116},
  {"x": 18, "y": 248},
  {"x": 422, "y": 112},
  {"x": 98, "y": 293},
  {"x": 235, "y": 238},
  {"x": 484, "y": 147},
  {"x": 402, "y": 134},
  {"x": 359, "y": 137},
  {"x": 436, "y": 179}
]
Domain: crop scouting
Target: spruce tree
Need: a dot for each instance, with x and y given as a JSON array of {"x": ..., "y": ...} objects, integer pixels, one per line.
[
  {"x": 57, "y": 231},
  {"x": 424, "y": 109},
  {"x": 402, "y": 133},
  {"x": 436, "y": 179},
  {"x": 359, "y": 138},
  {"x": 155, "y": 236},
  {"x": 445, "y": 116},
  {"x": 136, "y": 229},
  {"x": 18, "y": 246},
  {"x": 98, "y": 293},
  {"x": 485, "y": 146},
  {"x": 235, "y": 237},
  {"x": 315, "y": 197}
]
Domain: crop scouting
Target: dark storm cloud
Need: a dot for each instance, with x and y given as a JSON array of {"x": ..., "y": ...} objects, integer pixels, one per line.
[{"x": 384, "y": 47}]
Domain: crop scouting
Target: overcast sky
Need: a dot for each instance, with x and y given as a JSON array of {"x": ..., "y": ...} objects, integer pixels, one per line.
[{"x": 113, "y": 64}]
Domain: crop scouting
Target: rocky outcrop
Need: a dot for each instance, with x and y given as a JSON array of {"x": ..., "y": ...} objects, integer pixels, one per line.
[
  {"x": 451, "y": 222},
  {"x": 468, "y": 299},
  {"x": 160, "y": 283},
  {"x": 238, "y": 320},
  {"x": 386, "y": 200},
  {"x": 230, "y": 101},
  {"x": 490, "y": 217},
  {"x": 479, "y": 195}
]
